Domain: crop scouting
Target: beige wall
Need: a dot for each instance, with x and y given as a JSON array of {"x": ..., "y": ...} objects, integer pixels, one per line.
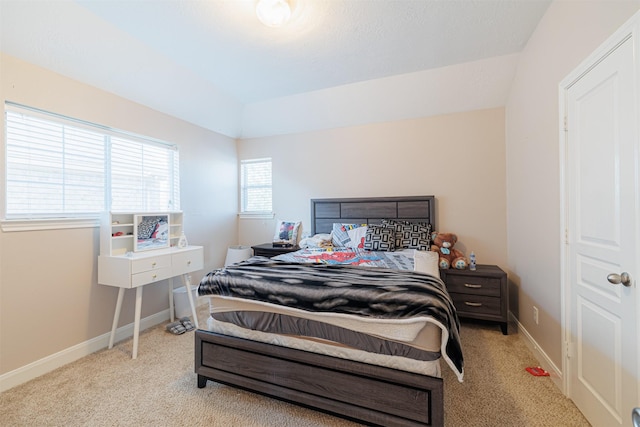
[
  {"x": 567, "y": 34},
  {"x": 49, "y": 296},
  {"x": 495, "y": 175},
  {"x": 459, "y": 158}
]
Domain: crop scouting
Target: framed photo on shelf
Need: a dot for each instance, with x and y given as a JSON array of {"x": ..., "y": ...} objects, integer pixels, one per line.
[{"x": 151, "y": 231}]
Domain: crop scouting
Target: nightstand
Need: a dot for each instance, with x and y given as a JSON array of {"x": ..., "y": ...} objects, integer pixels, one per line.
[
  {"x": 480, "y": 294},
  {"x": 268, "y": 250}
]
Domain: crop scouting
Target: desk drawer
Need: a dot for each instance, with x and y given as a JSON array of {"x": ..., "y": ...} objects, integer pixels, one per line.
[
  {"x": 150, "y": 276},
  {"x": 488, "y": 286},
  {"x": 151, "y": 263},
  {"x": 477, "y": 304},
  {"x": 188, "y": 261}
]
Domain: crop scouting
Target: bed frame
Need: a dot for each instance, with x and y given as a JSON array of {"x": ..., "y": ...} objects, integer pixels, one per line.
[
  {"x": 358, "y": 391},
  {"x": 324, "y": 212}
]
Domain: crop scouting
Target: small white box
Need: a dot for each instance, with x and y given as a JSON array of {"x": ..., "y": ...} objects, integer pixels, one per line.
[{"x": 181, "y": 301}]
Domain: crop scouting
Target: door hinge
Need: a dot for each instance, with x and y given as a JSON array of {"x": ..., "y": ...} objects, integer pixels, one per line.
[
  {"x": 565, "y": 124},
  {"x": 569, "y": 350}
]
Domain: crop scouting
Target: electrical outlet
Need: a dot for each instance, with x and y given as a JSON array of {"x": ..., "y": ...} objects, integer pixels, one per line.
[{"x": 535, "y": 314}]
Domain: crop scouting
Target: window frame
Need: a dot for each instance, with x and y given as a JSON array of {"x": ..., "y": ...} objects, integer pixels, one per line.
[
  {"x": 50, "y": 221},
  {"x": 247, "y": 214}
]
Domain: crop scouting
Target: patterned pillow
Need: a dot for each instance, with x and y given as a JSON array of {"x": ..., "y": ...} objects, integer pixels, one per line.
[
  {"x": 340, "y": 234},
  {"x": 380, "y": 238},
  {"x": 411, "y": 235},
  {"x": 146, "y": 227}
]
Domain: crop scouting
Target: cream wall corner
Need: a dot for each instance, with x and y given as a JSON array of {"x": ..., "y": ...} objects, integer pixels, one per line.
[
  {"x": 49, "y": 297},
  {"x": 566, "y": 35},
  {"x": 459, "y": 158}
]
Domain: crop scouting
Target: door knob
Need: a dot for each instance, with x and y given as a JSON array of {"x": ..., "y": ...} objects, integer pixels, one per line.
[{"x": 616, "y": 279}]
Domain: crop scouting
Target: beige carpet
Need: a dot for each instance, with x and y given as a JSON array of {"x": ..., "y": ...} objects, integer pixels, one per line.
[{"x": 108, "y": 388}]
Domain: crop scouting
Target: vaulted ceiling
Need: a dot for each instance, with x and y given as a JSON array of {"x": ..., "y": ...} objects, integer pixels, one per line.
[{"x": 209, "y": 61}]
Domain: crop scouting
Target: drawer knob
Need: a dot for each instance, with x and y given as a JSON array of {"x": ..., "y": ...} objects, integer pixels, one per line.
[
  {"x": 473, "y": 304},
  {"x": 153, "y": 264},
  {"x": 472, "y": 285},
  {"x": 154, "y": 277},
  {"x": 188, "y": 262}
]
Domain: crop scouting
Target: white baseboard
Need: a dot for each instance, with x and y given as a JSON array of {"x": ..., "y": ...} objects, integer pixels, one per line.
[
  {"x": 545, "y": 362},
  {"x": 71, "y": 354}
]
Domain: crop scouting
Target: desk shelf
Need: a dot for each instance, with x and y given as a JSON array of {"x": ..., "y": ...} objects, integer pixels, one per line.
[{"x": 113, "y": 223}]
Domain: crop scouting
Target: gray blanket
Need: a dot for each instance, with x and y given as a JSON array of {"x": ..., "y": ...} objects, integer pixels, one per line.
[{"x": 362, "y": 291}]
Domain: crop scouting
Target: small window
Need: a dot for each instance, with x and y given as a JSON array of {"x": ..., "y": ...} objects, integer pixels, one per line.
[{"x": 255, "y": 187}]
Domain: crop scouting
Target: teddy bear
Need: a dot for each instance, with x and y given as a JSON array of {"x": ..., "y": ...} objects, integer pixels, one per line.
[{"x": 449, "y": 257}]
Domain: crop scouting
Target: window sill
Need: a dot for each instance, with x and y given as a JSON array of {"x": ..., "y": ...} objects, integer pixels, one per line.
[
  {"x": 11, "y": 225},
  {"x": 265, "y": 215}
]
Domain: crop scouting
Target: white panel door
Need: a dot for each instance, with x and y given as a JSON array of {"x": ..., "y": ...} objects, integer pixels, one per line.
[{"x": 602, "y": 211}]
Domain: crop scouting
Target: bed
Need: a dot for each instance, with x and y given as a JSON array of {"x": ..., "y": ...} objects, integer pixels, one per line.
[{"x": 401, "y": 387}]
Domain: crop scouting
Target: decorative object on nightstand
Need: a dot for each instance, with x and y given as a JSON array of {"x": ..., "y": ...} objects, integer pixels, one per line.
[
  {"x": 269, "y": 250},
  {"x": 236, "y": 254},
  {"x": 450, "y": 257},
  {"x": 137, "y": 249},
  {"x": 287, "y": 233},
  {"x": 480, "y": 294}
]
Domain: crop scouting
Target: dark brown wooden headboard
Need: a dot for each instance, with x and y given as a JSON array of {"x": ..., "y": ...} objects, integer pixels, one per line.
[{"x": 371, "y": 210}]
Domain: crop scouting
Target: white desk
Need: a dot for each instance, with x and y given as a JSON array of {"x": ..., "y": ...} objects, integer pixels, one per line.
[{"x": 142, "y": 268}]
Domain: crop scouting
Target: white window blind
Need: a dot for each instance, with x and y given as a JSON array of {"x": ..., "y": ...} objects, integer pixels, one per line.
[
  {"x": 57, "y": 167},
  {"x": 142, "y": 176},
  {"x": 255, "y": 185}
]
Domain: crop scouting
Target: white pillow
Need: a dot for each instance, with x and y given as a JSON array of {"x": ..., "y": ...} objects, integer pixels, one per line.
[
  {"x": 356, "y": 237},
  {"x": 426, "y": 262}
]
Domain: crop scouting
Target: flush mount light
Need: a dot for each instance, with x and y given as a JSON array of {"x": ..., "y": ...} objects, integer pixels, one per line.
[{"x": 273, "y": 13}]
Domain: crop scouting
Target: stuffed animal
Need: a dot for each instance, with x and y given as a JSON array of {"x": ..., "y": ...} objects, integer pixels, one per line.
[{"x": 449, "y": 257}]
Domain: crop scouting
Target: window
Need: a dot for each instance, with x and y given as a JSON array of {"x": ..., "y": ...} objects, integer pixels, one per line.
[
  {"x": 144, "y": 177},
  {"x": 57, "y": 167},
  {"x": 255, "y": 187}
]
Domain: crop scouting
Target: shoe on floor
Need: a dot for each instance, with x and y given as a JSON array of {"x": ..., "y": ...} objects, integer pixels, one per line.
[
  {"x": 186, "y": 322},
  {"x": 176, "y": 328}
]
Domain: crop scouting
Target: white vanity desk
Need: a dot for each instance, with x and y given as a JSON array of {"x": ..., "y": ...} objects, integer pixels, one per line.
[{"x": 136, "y": 269}]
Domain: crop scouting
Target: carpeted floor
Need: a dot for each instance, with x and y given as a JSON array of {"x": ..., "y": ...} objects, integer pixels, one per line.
[{"x": 108, "y": 388}]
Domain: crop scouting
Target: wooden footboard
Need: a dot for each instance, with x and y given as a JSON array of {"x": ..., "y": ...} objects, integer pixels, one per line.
[{"x": 354, "y": 390}]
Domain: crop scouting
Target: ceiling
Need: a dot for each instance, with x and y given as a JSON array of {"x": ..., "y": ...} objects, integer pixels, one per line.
[{"x": 192, "y": 58}]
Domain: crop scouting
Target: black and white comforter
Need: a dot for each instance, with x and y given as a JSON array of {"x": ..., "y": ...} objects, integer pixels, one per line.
[{"x": 346, "y": 289}]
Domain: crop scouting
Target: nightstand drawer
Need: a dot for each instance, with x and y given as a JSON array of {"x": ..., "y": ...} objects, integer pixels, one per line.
[
  {"x": 479, "y": 294},
  {"x": 488, "y": 286},
  {"x": 477, "y": 304}
]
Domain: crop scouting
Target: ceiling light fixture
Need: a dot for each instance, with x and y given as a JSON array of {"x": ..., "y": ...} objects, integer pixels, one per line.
[{"x": 273, "y": 13}]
